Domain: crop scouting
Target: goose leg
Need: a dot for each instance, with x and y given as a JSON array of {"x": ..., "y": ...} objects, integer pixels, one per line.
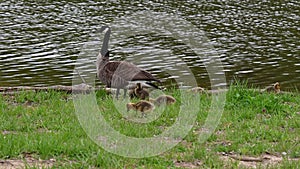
[
  {"x": 125, "y": 91},
  {"x": 117, "y": 93},
  {"x": 143, "y": 115}
]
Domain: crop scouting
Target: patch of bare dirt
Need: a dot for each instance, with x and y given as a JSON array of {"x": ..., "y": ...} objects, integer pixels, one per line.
[
  {"x": 26, "y": 162},
  {"x": 39, "y": 130},
  {"x": 223, "y": 143},
  {"x": 19, "y": 164},
  {"x": 184, "y": 164},
  {"x": 5, "y": 132},
  {"x": 264, "y": 160}
]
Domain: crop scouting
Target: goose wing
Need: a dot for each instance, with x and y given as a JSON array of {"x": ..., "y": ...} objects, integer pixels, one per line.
[
  {"x": 111, "y": 79},
  {"x": 128, "y": 71}
]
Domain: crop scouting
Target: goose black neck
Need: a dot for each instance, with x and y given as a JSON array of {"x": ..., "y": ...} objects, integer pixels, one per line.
[{"x": 104, "y": 48}]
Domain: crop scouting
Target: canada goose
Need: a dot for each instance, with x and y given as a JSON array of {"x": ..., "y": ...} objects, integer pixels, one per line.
[
  {"x": 142, "y": 106},
  {"x": 273, "y": 88},
  {"x": 118, "y": 74},
  {"x": 163, "y": 99},
  {"x": 139, "y": 92}
]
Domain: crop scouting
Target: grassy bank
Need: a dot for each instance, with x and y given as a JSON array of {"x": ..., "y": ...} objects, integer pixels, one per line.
[{"x": 42, "y": 127}]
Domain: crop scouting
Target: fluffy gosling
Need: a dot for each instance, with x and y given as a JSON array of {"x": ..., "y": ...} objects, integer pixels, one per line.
[
  {"x": 273, "y": 88},
  {"x": 139, "y": 92},
  {"x": 163, "y": 99},
  {"x": 197, "y": 90},
  {"x": 141, "y": 106}
]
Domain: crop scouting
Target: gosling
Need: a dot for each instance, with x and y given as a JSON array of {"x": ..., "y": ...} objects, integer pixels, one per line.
[
  {"x": 163, "y": 99},
  {"x": 141, "y": 106},
  {"x": 273, "y": 88},
  {"x": 197, "y": 90},
  {"x": 139, "y": 92}
]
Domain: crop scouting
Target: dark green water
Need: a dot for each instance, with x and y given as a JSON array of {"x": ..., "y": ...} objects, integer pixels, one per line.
[{"x": 42, "y": 41}]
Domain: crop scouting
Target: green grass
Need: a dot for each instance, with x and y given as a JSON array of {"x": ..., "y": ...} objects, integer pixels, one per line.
[{"x": 45, "y": 125}]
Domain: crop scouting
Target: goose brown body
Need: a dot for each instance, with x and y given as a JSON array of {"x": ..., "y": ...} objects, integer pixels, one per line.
[{"x": 118, "y": 74}]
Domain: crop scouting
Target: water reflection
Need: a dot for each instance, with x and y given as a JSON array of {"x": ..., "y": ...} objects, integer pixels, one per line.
[{"x": 40, "y": 41}]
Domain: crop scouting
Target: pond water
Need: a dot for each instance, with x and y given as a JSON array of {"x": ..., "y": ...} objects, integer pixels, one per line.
[{"x": 41, "y": 42}]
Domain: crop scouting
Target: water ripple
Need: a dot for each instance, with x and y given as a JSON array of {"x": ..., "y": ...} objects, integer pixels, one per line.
[{"x": 41, "y": 41}]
